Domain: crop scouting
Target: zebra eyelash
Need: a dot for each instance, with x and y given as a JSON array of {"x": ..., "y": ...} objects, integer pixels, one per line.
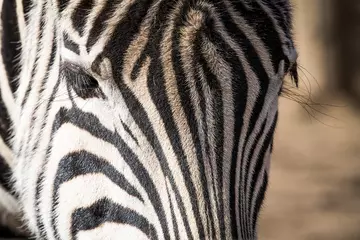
[{"x": 82, "y": 82}]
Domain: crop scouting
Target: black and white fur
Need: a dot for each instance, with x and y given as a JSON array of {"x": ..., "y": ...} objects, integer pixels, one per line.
[{"x": 139, "y": 119}]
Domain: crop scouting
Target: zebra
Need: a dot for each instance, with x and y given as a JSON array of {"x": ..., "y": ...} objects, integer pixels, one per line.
[{"x": 146, "y": 119}]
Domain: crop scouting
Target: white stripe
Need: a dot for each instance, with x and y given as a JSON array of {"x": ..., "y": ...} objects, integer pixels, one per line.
[
  {"x": 7, "y": 202},
  {"x": 21, "y": 21},
  {"x": 6, "y": 93},
  {"x": 177, "y": 213},
  {"x": 6, "y": 153},
  {"x": 112, "y": 231}
]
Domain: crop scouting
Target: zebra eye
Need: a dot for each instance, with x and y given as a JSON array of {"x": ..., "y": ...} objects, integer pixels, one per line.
[{"x": 83, "y": 84}]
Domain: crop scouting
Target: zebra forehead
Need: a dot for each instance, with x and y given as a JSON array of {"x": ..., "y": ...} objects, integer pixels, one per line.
[{"x": 94, "y": 23}]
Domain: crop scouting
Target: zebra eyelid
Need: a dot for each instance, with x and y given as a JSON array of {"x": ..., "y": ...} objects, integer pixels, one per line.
[{"x": 81, "y": 81}]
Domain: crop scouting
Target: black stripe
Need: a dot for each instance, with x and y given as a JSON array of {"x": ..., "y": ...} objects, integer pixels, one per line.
[
  {"x": 176, "y": 230},
  {"x": 26, "y": 9},
  {"x": 271, "y": 146},
  {"x": 127, "y": 129},
  {"x": 5, "y": 123},
  {"x": 100, "y": 23},
  {"x": 5, "y": 175},
  {"x": 105, "y": 210},
  {"x": 80, "y": 15},
  {"x": 63, "y": 4},
  {"x": 82, "y": 163},
  {"x": 71, "y": 45},
  {"x": 8, "y": 234},
  {"x": 10, "y": 49}
]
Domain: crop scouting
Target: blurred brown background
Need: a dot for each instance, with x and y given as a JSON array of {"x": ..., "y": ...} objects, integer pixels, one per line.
[{"x": 314, "y": 189}]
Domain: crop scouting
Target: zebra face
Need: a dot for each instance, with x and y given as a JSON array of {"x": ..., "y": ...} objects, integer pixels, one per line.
[{"x": 156, "y": 118}]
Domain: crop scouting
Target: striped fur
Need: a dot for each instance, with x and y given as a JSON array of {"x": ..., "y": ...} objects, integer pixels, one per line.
[
  {"x": 144, "y": 119},
  {"x": 10, "y": 42}
]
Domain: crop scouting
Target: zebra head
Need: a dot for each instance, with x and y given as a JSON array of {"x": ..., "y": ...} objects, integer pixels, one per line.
[{"x": 149, "y": 119}]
